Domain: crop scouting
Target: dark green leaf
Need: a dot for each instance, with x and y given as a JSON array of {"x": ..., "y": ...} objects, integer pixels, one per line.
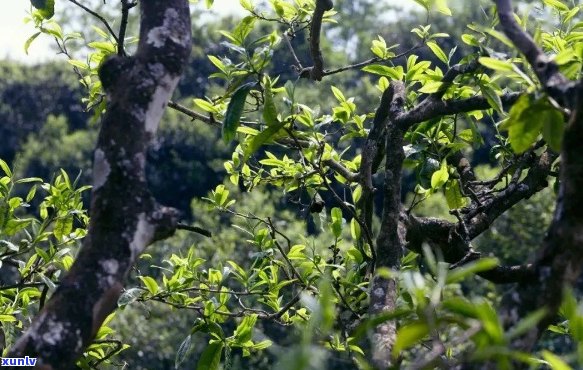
[
  {"x": 262, "y": 138},
  {"x": 235, "y": 110},
  {"x": 211, "y": 357},
  {"x": 527, "y": 119},
  {"x": 553, "y": 128},
  {"x": 46, "y": 8},
  {"x": 523, "y": 125}
]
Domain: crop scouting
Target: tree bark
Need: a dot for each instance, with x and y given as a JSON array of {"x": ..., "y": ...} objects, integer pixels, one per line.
[
  {"x": 390, "y": 240},
  {"x": 125, "y": 218}
]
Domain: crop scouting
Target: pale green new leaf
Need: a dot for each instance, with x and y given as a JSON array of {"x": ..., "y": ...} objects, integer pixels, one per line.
[{"x": 409, "y": 335}]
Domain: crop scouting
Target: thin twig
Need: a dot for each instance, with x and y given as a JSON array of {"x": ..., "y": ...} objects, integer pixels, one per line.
[
  {"x": 98, "y": 16},
  {"x": 126, "y": 5}
]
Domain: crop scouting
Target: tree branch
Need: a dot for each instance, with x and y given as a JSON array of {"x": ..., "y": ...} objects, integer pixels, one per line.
[
  {"x": 126, "y": 5},
  {"x": 316, "y": 71},
  {"x": 430, "y": 108}
]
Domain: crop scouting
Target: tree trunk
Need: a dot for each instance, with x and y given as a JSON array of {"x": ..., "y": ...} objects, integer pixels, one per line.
[{"x": 125, "y": 218}]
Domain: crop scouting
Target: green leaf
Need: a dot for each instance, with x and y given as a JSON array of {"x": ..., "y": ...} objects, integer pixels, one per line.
[
  {"x": 436, "y": 49},
  {"x": 63, "y": 227},
  {"x": 492, "y": 97},
  {"x": 205, "y": 105},
  {"x": 470, "y": 40},
  {"x": 211, "y": 357},
  {"x": 338, "y": 94},
  {"x": 490, "y": 321},
  {"x": 460, "y": 306},
  {"x": 262, "y": 138},
  {"x": 523, "y": 129},
  {"x": 4, "y": 166},
  {"x": 555, "y": 362},
  {"x": 553, "y": 129},
  {"x": 527, "y": 323},
  {"x": 29, "y": 41},
  {"x": 296, "y": 252},
  {"x": 454, "y": 196},
  {"x": 473, "y": 267},
  {"x": 7, "y": 318},
  {"x": 108, "y": 47},
  {"x": 440, "y": 177},
  {"x": 244, "y": 28},
  {"x": 441, "y": 6},
  {"x": 556, "y": 4},
  {"x": 27, "y": 180},
  {"x": 355, "y": 231},
  {"x": 150, "y": 284},
  {"x": 76, "y": 63},
  {"x": 247, "y": 5},
  {"x": 336, "y": 226},
  {"x": 244, "y": 331},
  {"x": 526, "y": 120},
  {"x": 235, "y": 110},
  {"x": 262, "y": 345},
  {"x": 269, "y": 109},
  {"x": 409, "y": 335},
  {"x": 496, "y": 64},
  {"x": 46, "y": 8},
  {"x": 395, "y": 73}
]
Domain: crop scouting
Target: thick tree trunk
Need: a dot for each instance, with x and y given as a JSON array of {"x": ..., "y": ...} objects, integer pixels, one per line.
[{"x": 125, "y": 218}]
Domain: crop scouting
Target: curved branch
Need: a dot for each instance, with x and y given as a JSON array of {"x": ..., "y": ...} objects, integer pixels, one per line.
[{"x": 316, "y": 71}]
